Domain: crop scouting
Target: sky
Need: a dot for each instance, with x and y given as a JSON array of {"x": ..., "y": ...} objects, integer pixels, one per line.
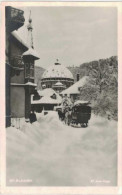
[{"x": 73, "y": 35}]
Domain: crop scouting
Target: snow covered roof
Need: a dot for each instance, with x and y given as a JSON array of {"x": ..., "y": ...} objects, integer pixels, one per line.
[
  {"x": 46, "y": 100},
  {"x": 58, "y": 84},
  {"x": 57, "y": 71},
  {"x": 28, "y": 83},
  {"x": 31, "y": 84},
  {"x": 81, "y": 102},
  {"x": 15, "y": 34},
  {"x": 47, "y": 92},
  {"x": 46, "y": 97},
  {"x": 31, "y": 52},
  {"x": 74, "y": 88}
]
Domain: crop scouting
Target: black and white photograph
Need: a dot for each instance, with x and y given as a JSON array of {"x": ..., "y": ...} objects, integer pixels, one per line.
[{"x": 61, "y": 96}]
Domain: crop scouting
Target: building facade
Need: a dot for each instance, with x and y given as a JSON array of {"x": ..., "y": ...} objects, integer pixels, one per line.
[
  {"x": 14, "y": 20},
  {"x": 19, "y": 68}
]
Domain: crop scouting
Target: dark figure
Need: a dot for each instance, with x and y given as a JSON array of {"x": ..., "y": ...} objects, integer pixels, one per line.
[
  {"x": 32, "y": 117},
  {"x": 61, "y": 115},
  {"x": 68, "y": 116}
]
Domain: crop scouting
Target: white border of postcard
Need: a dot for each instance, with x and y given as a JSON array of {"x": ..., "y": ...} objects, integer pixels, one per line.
[{"x": 114, "y": 190}]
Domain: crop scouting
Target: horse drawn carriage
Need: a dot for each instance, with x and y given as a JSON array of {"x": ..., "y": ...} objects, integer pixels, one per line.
[{"x": 78, "y": 113}]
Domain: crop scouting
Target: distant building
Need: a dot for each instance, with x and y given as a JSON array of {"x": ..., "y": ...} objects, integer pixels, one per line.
[
  {"x": 57, "y": 77},
  {"x": 19, "y": 67},
  {"x": 74, "y": 91},
  {"x": 45, "y": 100}
]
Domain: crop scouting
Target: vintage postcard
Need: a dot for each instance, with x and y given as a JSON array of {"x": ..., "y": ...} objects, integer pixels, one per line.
[{"x": 61, "y": 98}]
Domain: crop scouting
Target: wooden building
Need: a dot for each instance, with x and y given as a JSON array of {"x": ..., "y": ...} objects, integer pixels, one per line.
[{"x": 19, "y": 68}]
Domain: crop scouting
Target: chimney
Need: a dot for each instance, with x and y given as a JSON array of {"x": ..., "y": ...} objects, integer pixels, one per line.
[{"x": 78, "y": 76}]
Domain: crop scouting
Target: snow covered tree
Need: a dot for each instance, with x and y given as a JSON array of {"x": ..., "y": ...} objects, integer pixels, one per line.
[{"x": 102, "y": 87}]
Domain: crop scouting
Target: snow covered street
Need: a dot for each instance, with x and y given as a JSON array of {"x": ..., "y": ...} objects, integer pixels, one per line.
[{"x": 49, "y": 153}]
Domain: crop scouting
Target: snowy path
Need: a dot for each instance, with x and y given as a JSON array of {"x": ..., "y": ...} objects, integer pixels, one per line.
[{"x": 52, "y": 154}]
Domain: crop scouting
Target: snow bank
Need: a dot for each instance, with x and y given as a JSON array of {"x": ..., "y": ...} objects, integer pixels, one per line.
[{"x": 52, "y": 154}]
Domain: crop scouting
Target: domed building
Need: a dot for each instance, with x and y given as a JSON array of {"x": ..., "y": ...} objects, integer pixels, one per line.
[{"x": 57, "y": 77}]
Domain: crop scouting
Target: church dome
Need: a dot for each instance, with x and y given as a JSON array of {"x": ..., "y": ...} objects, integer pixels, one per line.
[{"x": 57, "y": 71}]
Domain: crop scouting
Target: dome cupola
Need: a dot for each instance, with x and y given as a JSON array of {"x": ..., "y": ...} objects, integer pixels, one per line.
[{"x": 57, "y": 73}]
